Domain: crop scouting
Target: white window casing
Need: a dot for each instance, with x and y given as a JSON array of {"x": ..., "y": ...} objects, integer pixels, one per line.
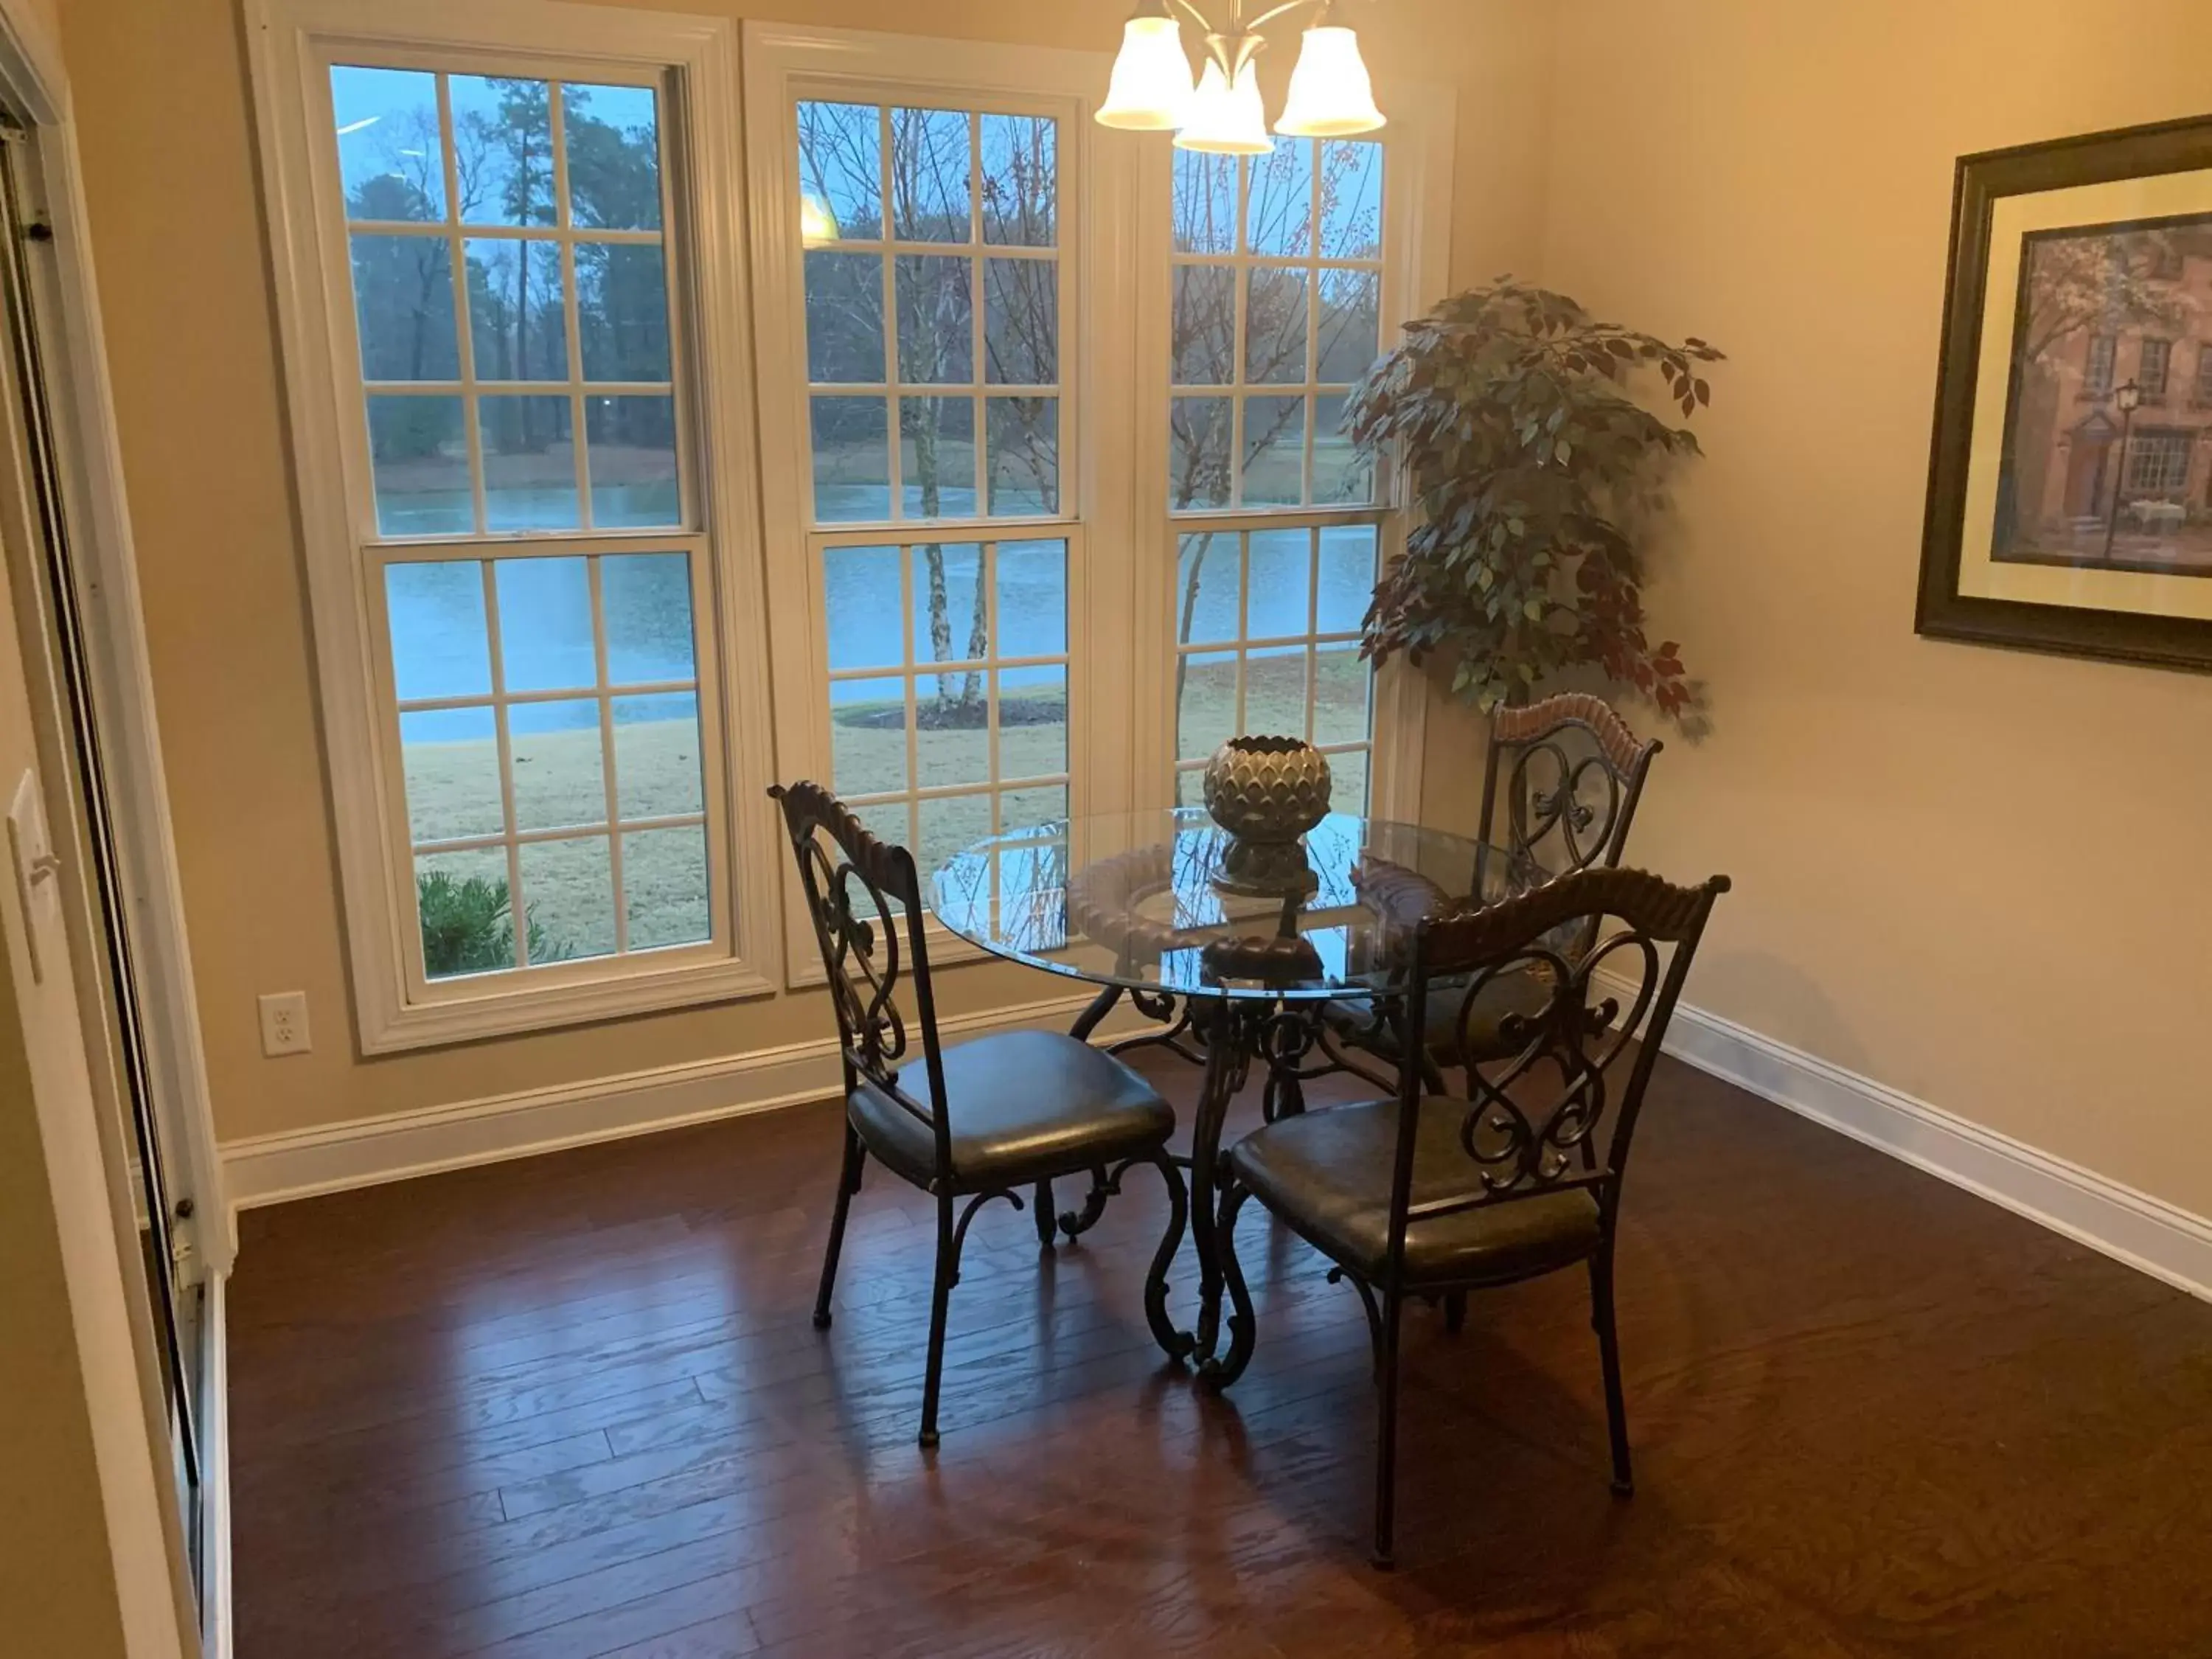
[
  {"x": 1413, "y": 266},
  {"x": 1117, "y": 252},
  {"x": 740, "y": 377},
  {"x": 786, "y": 65},
  {"x": 691, "y": 64}
]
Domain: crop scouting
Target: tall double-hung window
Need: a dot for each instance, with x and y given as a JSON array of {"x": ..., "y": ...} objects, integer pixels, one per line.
[
  {"x": 932, "y": 278},
  {"x": 516, "y": 471},
  {"x": 993, "y": 336},
  {"x": 510, "y": 300},
  {"x": 871, "y": 416},
  {"x": 1275, "y": 309},
  {"x": 925, "y": 280}
]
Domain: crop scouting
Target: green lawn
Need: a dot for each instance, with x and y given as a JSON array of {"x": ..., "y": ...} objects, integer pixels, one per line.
[
  {"x": 452, "y": 790},
  {"x": 1274, "y": 699}
]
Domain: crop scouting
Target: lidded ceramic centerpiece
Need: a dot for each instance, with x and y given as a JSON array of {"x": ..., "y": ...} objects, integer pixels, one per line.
[{"x": 1266, "y": 793}]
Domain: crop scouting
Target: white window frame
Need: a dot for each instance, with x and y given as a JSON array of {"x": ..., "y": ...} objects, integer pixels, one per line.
[
  {"x": 787, "y": 64},
  {"x": 694, "y": 60},
  {"x": 2145, "y": 348},
  {"x": 1418, "y": 146},
  {"x": 2163, "y": 452},
  {"x": 2100, "y": 364}
]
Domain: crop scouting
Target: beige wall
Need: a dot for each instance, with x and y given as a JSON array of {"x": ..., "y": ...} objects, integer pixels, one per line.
[
  {"x": 1505, "y": 106},
  {"x": 1978, "y": 876},
  {"x": 163, "y": 101},
  {"x": 1952, "y": 864}
]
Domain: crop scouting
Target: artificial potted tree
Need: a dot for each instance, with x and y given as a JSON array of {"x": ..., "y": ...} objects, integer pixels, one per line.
[{"x": 1534, "y": 470}]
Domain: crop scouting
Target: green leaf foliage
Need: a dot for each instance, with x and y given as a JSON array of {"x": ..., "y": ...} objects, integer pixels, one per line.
[
  {"x": 1532, "y": 463},
  {"x": 467, "y": 929}
]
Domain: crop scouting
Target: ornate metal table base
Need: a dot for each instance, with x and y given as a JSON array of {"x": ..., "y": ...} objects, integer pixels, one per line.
[{"x": 1223, "y": 1036}]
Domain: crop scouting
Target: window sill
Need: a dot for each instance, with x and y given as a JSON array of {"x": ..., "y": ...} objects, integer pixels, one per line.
[{"x": 513, "y": 1009}]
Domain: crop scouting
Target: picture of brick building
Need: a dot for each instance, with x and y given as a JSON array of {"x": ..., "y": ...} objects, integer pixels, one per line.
[{"x": 2109, "y": 435}]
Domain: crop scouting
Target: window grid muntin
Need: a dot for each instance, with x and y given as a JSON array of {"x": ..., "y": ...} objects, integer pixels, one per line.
[
  {"x": 2154, "y": 365},
  {"x": 996, "y": 785},
  {"x": 2102, "y": 360},
  {"x": 979, "y": 391},
  {"x": 1245, "y": 643},
  {"x": 500, "y": 699},
  {"x": 2158, "y": 463},
  {"x": 1243, "y": 263},
  {"x": 1242, "y": 520},
  {"x": 455, "y": 232},
  {"x": 686, "y": 536}
]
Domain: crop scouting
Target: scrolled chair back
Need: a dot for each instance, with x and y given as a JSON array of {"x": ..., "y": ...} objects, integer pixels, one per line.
[
  {"x": 851, "y": 881},
  {"x": 1537, "y": 1122},
  {"x": 1570, "y": 772}
]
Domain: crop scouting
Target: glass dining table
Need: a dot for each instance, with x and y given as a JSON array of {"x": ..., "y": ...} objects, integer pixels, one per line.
[{"x": 1146, "y": 906}]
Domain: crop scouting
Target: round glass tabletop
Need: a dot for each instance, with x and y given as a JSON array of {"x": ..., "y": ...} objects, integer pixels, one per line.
[{"x": 1146, "y": 900}]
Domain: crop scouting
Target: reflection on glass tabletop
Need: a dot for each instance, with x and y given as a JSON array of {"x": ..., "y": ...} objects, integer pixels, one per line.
[{"x": 1144, "y": 900}]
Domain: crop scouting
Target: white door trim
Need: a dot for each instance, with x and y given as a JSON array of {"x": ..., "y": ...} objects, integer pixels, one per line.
[{"x": 98, "y": 513}]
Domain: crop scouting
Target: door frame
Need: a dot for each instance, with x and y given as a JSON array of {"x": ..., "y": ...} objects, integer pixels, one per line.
[
  {"x": 95, "y": 505},
  {"x": 123, "y": 1390}
]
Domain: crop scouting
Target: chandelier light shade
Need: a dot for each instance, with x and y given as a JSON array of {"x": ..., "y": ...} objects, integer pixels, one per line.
[
  {"x": 1331, "y": 96},
  {"x": 1150, "y": 90},
  {"x": 1226, "y": 120},
  {"x": 816, "y": 222}
]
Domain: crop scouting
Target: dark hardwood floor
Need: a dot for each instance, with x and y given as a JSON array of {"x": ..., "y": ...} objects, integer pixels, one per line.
[{"x": 573, "y": 1406}]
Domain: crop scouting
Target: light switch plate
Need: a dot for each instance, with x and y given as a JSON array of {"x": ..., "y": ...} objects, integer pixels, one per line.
[{"x": 31, "y": 854}]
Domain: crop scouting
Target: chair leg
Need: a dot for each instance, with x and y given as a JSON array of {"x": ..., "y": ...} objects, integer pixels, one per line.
[
  {"x": 1176, "y": 1344},
  {"x": 1455, "y": 1311},
  {"x": 1386, "y": 1449},
  {"x": 1076, "y": 1223},
  {"x": 1220, "y": 1371},
  {"x": 941, "y": 1297},
  {"x": 1044, "y": 1219},
  {"x": 848, "y": 1182},
  {"x": 1608, "y": 1349}
]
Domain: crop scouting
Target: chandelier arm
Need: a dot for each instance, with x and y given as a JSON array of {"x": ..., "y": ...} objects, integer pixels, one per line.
[
  {"x": 1273, "y": 12},
  {"x": 1200, "y": 17}
]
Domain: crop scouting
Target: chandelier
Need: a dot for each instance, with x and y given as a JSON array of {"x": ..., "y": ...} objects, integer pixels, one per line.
[{"x": 1151, "y": 90}]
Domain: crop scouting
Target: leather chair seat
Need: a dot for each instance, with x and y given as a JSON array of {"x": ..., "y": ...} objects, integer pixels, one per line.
[
  {"x": 1525, "y": 991},
  {"x": 1026, "y": 1105},
  {"x": 1329, "y": 1174}
]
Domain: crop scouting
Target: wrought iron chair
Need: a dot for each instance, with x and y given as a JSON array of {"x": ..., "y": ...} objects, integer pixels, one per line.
[
  {"x": 1516, "y": 1174},
  {"x": 1559, "y": 789},
  {"x": 975, "y": 1120}
]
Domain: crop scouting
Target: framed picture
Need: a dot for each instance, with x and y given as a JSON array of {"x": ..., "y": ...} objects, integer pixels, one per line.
[{"x": 2069, "y": 496}]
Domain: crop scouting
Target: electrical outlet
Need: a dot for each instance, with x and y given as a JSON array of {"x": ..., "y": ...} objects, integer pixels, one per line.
[{"x": 284, "y": 1024}]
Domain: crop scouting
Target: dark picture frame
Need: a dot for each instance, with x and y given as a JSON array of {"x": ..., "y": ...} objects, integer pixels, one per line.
[{"x": 1943, "y": 612}]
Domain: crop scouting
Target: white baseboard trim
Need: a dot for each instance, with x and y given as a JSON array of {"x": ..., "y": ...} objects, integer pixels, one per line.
[
  {"x": 2147, "y": 1233},
  {"x": 368, "y": 1152}
]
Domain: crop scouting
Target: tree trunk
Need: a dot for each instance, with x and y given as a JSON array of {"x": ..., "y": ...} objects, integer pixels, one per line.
[
  {"x": 1189, "y": 611},
  {"x": 925, "y": 474},
  {"x": 522, "y": 331},
  {"x": 979, "y": 640},
  {"x": 419, "y": 345}
]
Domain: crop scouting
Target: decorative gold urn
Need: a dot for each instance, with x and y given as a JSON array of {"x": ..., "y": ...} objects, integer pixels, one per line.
[{"x": 1266, "y": 793}]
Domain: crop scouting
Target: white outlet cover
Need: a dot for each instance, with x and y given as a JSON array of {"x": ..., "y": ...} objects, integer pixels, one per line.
[{"x": 281, "y": 1010}]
